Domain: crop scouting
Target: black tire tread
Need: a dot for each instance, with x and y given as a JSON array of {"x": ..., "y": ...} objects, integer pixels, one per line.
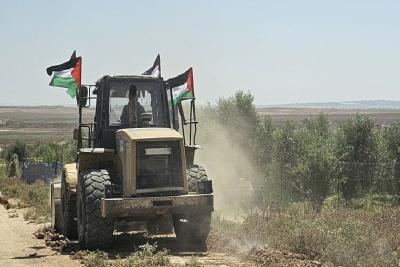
[
  {"x": 194, "y": 231},
  {"x": 98, "y": 230},
  {"x": 195, "y": 174},
  {"x": 160, "y": 226}
]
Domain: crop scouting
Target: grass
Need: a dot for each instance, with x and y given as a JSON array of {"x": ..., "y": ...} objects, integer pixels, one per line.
[
  {"x": 147, "y": 256},
  {"x": 97, "y": 259},
  {"x": 349, "y": 237},
  {"x": 34, "y": 197}
]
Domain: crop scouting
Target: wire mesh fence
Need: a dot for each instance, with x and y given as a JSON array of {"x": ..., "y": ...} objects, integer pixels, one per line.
[{"x": 337, "y": 186}]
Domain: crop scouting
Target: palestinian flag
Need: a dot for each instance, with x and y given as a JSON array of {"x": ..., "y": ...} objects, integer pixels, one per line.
[
  {"x": 67, "y": 75},
  {"x": 182, "y": 86},
  {"x": 155, "y": 70}
]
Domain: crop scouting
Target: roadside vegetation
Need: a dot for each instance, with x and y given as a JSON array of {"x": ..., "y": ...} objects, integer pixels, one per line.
[
  {"x": 41, "y": 152},
  {"x": 148, "y": 255},
  {"x": 347, "y": 238},
  {"x": 34, "y": 198},
  {"x": 328, "y": 192},
  {"x": 314, "y": 160}
]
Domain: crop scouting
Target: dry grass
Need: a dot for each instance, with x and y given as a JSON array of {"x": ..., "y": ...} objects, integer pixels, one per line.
[
  {"x": 34, "y": 197},
  {"x": 146, "y": 256},
  {"x": 345, "y": 237}
]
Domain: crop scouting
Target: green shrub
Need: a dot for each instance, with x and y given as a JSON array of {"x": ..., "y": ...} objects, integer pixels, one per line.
[
  {"x": 19, "y": 148},
  {"x": 42, "y": 152},
  {"x": 373, "y": 201},
  {"x": 333, "y": 202}
]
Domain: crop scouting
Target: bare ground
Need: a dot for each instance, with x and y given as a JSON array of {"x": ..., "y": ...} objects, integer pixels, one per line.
[{"x": 19, "y": 247}]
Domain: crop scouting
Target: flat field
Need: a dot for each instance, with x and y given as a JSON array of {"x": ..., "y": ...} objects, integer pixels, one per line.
[
  {"x": 382, "y": 116},
  {"x": 39, "y": 124},
  {"x": 55, "y": 123}
]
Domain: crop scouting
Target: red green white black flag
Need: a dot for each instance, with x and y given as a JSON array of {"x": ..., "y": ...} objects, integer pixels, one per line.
[
  {"x": 67, "y": 75},
  {"x": 182, "y": 86}
]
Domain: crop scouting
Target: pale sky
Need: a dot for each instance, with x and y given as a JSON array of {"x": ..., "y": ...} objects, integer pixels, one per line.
[{"x": 282, "y": 51}]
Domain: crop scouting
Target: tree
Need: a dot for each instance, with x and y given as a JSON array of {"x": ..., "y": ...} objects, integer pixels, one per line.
[
  {"x": 19, "y": 148},
  {"x": 239, "y": 114},
  {"x": 391, "y": 139},
  {"x": 307, "y": 154},
  {"x": 357, "y": 147},
  {"x": 319, "y": 158},
  {"x": 289, "y": 150}
]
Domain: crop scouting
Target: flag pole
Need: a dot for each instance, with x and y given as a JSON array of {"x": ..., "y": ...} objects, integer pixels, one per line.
[
  {"x": 159, "y": 65},
  {"x": 172, "y": 105}
]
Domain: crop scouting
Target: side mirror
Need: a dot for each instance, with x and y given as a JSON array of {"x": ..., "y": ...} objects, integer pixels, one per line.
[
  {"x": 81, "y": 97},
  {"x": 76, "y": 134}
]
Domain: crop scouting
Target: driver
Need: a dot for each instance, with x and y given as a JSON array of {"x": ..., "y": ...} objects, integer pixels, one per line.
[{"x": 131, "y": 111}]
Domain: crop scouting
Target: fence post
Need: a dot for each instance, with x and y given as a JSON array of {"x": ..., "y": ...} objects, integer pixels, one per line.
[
  {"x": 338, "y": 191},
  {"x": 281, "y": 196}
]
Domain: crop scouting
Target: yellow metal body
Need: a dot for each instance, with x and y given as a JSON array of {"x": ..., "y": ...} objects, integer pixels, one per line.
[
  {"x": 71, "y": 175},
  {"x": 123, "y": 158},
  {"x": 126, "y": 140}
]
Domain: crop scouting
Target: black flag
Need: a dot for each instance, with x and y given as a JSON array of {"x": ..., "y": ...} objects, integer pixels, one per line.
[
  {"x": 155, "y": 70},
  {"x": 66, "y": 65}
]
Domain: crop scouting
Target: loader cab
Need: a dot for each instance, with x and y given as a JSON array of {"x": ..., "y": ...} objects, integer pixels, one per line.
[{"x": 112, "y": 97}]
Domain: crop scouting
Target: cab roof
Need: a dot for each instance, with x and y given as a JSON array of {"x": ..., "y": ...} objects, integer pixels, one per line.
[
  {"x": 151, "y": 133},
  {"x": 131, "y": 77}
]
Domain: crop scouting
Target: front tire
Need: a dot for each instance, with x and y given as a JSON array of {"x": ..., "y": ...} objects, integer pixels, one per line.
[{"x": 94, "y": 231}]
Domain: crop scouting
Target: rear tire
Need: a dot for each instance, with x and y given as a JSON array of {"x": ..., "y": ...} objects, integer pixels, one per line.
[
  {"x": 94, "y": 231},
  {"x": 56, "y": 208},
  {"x": 160, "y": 226},
  {"x": 192, "y": 229},
  {"x": 195, "y": 174},
  {"x": 56, "y": 216},
  {"x": 68, "y": 204}
]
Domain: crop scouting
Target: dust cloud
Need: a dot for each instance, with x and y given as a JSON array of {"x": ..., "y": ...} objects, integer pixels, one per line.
[{"x": 227, "y": 166}]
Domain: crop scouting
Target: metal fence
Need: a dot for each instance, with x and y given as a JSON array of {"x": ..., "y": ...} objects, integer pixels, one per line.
[
  {"x": 33, "y": 171},
  {"x": 336, "y": 186}
]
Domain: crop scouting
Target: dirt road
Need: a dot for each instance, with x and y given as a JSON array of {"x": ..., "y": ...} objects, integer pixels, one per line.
[{"x": 18, "y": 247}]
